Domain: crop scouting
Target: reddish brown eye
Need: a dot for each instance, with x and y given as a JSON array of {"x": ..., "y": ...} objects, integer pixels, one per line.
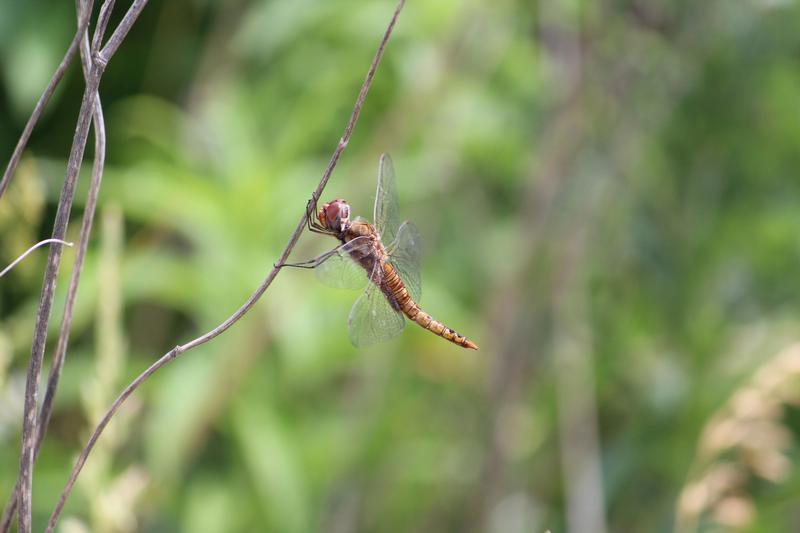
[{"x": 334, "y": 214}]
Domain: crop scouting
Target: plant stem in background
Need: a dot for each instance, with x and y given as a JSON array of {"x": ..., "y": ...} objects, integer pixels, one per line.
[
  {"x": 30, "y": 430},
  {"x": 83, "y": 242},
  {"x": 29, "y": 425}
]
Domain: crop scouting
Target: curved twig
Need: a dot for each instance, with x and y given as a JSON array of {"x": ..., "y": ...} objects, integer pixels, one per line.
[
  {"x": 25, "y": 254},
  {"x": 98, "y": 165},
  {"x": 178, "y": 350},
  {"x": 120, "y": 32}
]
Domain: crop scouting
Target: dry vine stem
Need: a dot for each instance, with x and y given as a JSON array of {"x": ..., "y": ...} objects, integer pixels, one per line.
[
  {"x": 30, "y": 427},
  {"x": 86, "y": 227},
  {"x": 83, "y": 23},
  {"x": 178, "y": 350}
]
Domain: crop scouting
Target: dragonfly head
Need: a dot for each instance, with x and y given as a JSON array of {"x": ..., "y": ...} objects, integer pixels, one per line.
[{"x": 335, "y": 215}]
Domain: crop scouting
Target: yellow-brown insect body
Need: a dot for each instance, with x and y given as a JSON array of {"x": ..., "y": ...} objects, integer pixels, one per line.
[
  {"x": 414, "y": 313},
  {"x": 389, "y": 281}
]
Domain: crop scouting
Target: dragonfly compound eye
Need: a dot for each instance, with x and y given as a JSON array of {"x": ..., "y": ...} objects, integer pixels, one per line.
[{"x": 334, "y": 215}]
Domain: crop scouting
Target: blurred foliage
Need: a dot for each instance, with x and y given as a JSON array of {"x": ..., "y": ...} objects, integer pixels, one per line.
[{"x": 606, "y": 196}]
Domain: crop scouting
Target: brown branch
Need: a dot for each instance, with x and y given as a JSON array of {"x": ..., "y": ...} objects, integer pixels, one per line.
[
  {"x": 83, "y": 23},
  {"x": 83, "y": 243},
  {"x": 86, "y": 227},
  {"x": 29, "y": 426},
  {"x": 121, "y": 32},
  {"x": 251, "y": 301},
  {"x": 31, "y": 435},
  {"x": 100, "y": 28}
]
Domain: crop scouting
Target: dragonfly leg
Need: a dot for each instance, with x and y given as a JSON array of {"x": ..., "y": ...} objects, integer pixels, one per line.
[
  {"x": 311, "y": 207},
  {"x": 316, "y": 228},
  {"x": 311, "y": 263},
  {"x": 341, "y": 249},
  {"x": 311, "y": 219},
  {"x": 296, "y": 265},
  {"x": 311, "y": 210}
]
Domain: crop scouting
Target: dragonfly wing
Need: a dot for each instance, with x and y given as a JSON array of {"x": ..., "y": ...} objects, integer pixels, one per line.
[
  {"x": 404, "y": 255},
  {"x": 339, "y": 270},
  {"x": 386, "y": 210},
  {"x": 372, "y": 318}
]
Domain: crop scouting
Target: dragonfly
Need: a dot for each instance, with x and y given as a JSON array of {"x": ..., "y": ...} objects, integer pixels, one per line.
[{"x": 383, "y": 256}]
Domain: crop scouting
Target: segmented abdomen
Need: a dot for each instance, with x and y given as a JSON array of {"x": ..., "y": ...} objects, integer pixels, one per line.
[{"x": 395, "y": 286}]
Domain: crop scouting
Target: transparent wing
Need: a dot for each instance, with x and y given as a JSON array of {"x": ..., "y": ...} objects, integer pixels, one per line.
[
  {"x": 386, "y": 211},
  {"x": 372, "y": 319},
  {"x": 404, "y": 255},
  {"x": 339, "y": 270}
]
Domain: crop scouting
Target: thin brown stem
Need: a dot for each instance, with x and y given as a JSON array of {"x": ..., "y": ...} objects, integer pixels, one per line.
[
  {"x": 251, "y": 301},
  {"x": 100, "y": 27},
  {"x": 354, "y": 115},
  {"x": 83, "y": 23},
  {"x": 31, "y": 433},
  {"x": 83, "y": 243},
  {"x": 66, "y": 322},
  {"x": 98, "y": 166},
  {"x": 120, "y": 32},
  {"x": 29, "y": 425}
]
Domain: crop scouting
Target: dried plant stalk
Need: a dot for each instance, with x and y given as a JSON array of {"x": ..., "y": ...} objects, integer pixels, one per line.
[{"x": 94, "y": 62}]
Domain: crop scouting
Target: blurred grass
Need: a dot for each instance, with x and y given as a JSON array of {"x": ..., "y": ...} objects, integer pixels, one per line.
[{"x": 616, "y": 178}]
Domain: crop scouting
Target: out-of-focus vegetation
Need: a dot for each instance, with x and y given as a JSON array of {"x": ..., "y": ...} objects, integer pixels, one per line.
[{"x": 608, "y": 198}]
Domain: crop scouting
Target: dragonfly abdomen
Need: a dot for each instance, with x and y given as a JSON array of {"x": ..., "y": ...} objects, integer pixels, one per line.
[{"x": 414, "y": 312}]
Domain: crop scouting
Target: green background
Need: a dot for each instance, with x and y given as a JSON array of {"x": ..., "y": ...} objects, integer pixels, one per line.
[{"x": 607, "y": 194}]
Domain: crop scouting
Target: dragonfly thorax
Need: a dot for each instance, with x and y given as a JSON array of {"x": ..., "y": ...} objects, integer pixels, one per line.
[{"x": 335, "y": 215}]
